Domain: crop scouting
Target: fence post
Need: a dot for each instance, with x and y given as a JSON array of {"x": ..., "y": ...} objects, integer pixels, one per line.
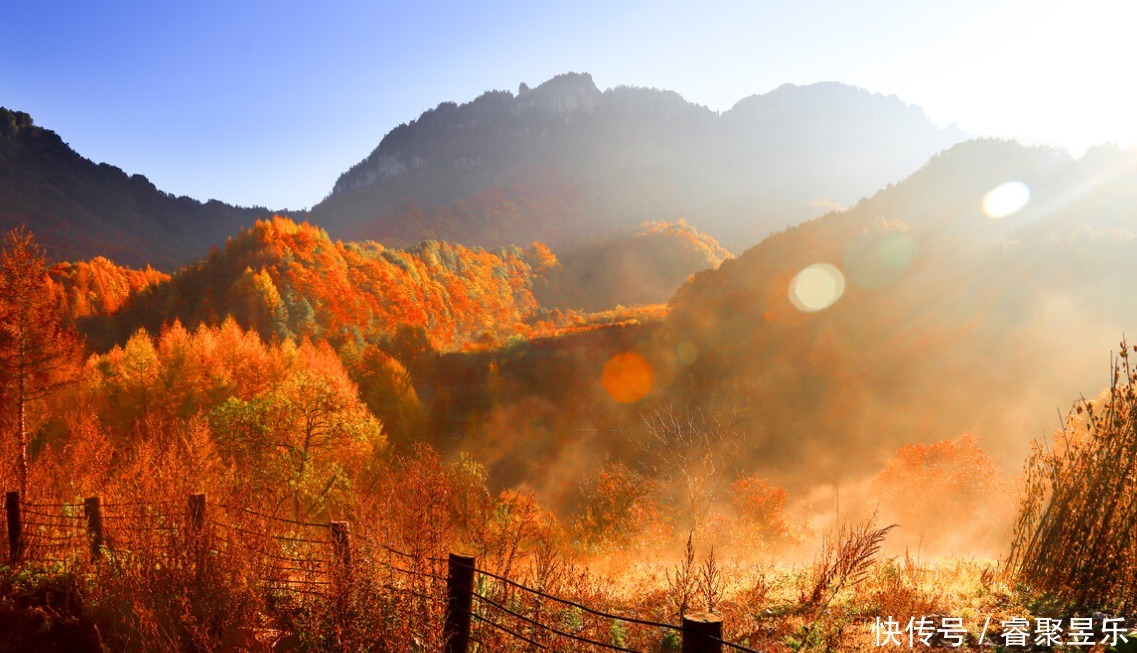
[
  {"x": 341, "y": 542},
  {"x": 15, "y": 527},
  {"x": 93, "y": 509},
  {"x": 702, "y": 633},
  {"x": 459, "y": 603}
]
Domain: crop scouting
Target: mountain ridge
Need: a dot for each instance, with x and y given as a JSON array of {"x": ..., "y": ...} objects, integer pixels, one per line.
[
  {"x": 626, "y": 155},
  {"x": 562, "y": 163},
  {"x": 80, "y": 209}
]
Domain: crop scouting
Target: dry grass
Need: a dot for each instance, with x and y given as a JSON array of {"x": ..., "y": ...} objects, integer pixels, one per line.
[{"x": 1076, "y": 537}]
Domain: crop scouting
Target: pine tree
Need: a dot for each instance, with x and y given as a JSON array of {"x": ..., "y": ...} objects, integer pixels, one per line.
[{"x": 38, "y": 347}]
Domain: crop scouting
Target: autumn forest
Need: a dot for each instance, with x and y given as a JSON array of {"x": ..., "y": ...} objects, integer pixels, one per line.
[{"x": 499, "y": 391}]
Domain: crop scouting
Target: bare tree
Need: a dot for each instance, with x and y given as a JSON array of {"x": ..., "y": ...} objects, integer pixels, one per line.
[{"x": 694, "y": 456}]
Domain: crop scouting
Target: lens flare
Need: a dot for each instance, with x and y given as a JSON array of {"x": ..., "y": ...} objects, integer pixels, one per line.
[
  {"x": 817, "y": 287},
  {"x": 1006, "y": 199},
  {"x": 628, "y": 377},
  {"x": 897, "y": 250}
]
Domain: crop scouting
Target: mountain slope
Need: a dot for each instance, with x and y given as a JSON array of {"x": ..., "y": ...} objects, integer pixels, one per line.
[
  {"x": 950, "y": 320},
  {"x": 79, "y": 209},
  {"x": 564, "y": 162},
  {"x": 644, "y": 268}
]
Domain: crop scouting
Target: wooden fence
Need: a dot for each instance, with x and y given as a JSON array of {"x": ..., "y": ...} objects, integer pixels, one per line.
[{"x": 311, "y": 556}]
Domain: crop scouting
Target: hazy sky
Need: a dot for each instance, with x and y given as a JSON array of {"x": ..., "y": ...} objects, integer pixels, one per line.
[{"x": 266, "y": 103}]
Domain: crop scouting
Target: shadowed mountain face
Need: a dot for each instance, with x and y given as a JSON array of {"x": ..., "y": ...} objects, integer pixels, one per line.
[
  {"x": 79, "y": 209},
  {"x": 951, "y": 319},
  {"x": 564, "y": 162}
]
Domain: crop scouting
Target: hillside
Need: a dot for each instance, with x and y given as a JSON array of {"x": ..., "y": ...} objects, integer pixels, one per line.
[
  {"x": 79, "y": 209},
  {"x": 950, "y": 321},
  {"x": 565, "y": 162},
  {"x": 288, "y": 280},
  {"x": 644, "y": 267}
]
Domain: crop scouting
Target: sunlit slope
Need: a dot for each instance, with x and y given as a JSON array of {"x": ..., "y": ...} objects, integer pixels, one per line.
[
  {"x": 285, "y": 279},
  {"x": 917, "y": 315},
  {"x": 289, "y": 280},
  {"x": 564, "y": 163}
]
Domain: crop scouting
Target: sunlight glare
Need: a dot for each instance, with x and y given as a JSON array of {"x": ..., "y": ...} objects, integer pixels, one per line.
[
  {"x": 1006, "y": 199},
  {"x": 628, "y": 377},
  {"x": 817, "y": 287}
]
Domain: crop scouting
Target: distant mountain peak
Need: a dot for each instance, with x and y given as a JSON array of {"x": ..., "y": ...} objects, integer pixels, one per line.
[
  {"x": 567, "y": 93},
  {"x": 563, "y": 161},
  {"x": 824, "y": 98}
]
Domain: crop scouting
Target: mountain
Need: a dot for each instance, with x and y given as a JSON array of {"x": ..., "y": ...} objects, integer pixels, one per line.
[
  {"x": 79, "y": 209},
  {"x": 952, "y": 319},
  {"x": 564, "y": 162}
]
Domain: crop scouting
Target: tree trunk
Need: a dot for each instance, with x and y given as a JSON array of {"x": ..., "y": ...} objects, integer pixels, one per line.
[{"x": 21, "y": 441}]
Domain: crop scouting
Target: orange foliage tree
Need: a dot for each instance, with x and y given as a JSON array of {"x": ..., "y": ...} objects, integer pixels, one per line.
[
  {"x": 286, "y": 415},
  {"x": 924, "y": 487},
  {"x": 618, "y": 505},
  {"x": 99, "y": 287},
  {"x": 38, "y": 346},
  {"x": 760, "y": 506}
]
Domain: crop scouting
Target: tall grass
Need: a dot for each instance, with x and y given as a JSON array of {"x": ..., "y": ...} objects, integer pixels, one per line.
[{"x": 1076, "y": 536}]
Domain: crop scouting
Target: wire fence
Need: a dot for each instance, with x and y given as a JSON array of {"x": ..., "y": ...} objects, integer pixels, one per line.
[{"x": 308, "y": 558}]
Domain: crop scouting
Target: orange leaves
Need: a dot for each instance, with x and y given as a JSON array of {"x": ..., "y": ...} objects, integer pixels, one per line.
[
  {"x": 542, "y": 258},
  {"x": 455, "y": 293},
  {"x": 285, "y": 415},
  {"x": 760, "y": 505},
  {"x": 99, "y": 287},
  {"x": 927, "y": 487},
  {"x": 618, "y": 506},
  {"x": 39, "y": 348}
]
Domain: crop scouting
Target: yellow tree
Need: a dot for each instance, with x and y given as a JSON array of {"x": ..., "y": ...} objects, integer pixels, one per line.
[
  {"x": 309, "y": 428},
  {"x": 39, "y": 348}
]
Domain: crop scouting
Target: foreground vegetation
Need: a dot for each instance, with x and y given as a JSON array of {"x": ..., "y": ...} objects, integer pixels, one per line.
[{"x": 294, "y": 480}]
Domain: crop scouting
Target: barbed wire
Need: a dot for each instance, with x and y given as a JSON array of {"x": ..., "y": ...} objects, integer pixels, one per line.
[
  {"x": 38, "y": 513},
  {"x": 32, "y": 537},
  {"x": 127, "y": 522},
  {"x": 272, "y": 517},
  {"x": 33, "y": 504},
  {"x": 110, "y": 516},
  {"x": 305, "y": 540},
  {"x": 411, "y": 572},
  {"x": 502, "y": 628},
  {"x": 578, "y": 638},
  {"x": 385, "y": 547},
  {"x": 51, "y": 525},
  {"x": 598, "y": 613}
]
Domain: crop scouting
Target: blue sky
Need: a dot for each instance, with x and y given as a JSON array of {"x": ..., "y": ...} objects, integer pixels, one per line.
[{"x": 266, "y": 103}]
